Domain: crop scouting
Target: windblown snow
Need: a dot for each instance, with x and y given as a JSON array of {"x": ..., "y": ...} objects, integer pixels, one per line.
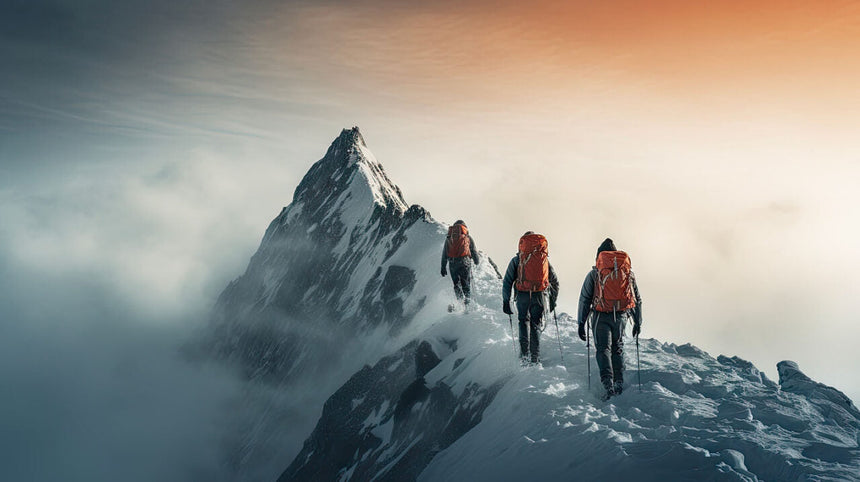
[{"x": 428, "y": 395}]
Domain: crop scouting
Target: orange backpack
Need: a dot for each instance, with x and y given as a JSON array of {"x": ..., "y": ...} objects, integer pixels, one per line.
[
  {"x": 613, "y": 290},
  {"x": 533, "y": 272},
  {"x": 458, "y": 241}
]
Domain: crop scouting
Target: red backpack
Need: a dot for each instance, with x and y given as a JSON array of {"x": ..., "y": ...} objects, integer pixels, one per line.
[
  {"x": 458, "y": 241},
  {"x": 613, "y": 290},
  {"x": 533, "y": 272}
]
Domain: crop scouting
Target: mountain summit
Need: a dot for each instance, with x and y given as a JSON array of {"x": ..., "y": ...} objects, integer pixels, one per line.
[
  {"x": 348, "y": 167},
  {"x": 339, "y": 278},
  {"x": 340, "y": 259}
]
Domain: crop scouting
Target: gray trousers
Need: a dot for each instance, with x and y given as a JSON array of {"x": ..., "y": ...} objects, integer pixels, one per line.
[
  {"x": 530, "y": 309},
  {"x": 609, "y": 346},
  {"x": 461, "y": 275}
]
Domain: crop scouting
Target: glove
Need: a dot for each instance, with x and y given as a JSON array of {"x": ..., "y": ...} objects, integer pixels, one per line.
[
  {"x": 637, "y": 328},
  {"x": 551, "y": 304},
  {"x": 506, "y": 307},
  {"x": 444, "y": 271},
  {"x": 582, "y": 331}
]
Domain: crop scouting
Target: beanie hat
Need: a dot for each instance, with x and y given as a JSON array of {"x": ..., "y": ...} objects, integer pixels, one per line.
[{"x": 606, "y": 245}]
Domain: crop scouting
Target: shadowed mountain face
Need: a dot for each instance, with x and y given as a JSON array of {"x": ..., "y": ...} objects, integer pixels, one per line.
[
  {"x": 387, "y": 422},
  {"x": 325, "y": 266}
]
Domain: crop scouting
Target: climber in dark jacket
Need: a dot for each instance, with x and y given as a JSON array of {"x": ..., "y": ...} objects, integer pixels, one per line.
[
  {"x": 531, "y": 307},
  {"x": 608, "y": 328},
  {"x": 461, "y": 266}
]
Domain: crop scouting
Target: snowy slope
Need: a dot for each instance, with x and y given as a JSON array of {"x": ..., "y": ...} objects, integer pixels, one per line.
[
  {"x": 344, "y": 291},
  {"x": 471, "y": 413},
  {"x": 342, "y": 274}
]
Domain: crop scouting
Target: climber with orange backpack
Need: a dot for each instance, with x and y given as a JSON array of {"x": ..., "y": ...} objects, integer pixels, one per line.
[
  {"x": 535, "y": 281},
  {"x": 610, "y": 296},
  {"x": 459, "y": 252}
]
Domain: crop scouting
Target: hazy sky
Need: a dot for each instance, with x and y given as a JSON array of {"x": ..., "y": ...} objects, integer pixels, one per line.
[{"x": 144, "y": 147}]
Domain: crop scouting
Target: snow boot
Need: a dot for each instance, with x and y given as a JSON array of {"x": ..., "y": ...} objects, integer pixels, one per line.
[
  {"x": 609, "y": 393},
  {"x": 610, "y": 390},
  {"x": 618, "y": 387}
]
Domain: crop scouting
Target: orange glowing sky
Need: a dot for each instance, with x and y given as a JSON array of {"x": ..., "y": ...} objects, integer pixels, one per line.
[{"x": 709, "y": 52}]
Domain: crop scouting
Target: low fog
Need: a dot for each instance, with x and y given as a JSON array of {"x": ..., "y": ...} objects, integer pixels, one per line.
[
  {"x": 96, "y": 391},
  {"x": 104, "y": 281}
]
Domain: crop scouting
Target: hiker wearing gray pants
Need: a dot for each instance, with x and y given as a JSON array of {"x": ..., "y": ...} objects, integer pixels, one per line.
[{"x": 611, "y": 297}]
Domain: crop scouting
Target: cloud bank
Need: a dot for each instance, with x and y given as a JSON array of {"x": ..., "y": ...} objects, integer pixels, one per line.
[{"x": 95, "y": 391}]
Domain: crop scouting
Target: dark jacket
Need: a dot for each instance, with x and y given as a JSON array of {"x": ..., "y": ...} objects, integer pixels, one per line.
[
  {"x": 511, "y": 278},
  {"x": 472, "y": 250},
  {"x": 586, "y": 298}
]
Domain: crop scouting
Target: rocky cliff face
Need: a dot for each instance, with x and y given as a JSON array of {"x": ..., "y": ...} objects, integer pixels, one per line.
[{"x": 387, "y": 422}]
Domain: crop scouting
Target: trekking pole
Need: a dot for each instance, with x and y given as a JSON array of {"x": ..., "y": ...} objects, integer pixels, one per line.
[
  {"x": 511, "y": 321},
  {"x": 638, "y": 367},
  {"x": 588, "y": 348},
  {"x": 558, "y": 336}
]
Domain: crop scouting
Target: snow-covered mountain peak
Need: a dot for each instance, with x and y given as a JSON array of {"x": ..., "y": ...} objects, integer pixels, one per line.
[
  {"x": 344, "y": 272},
  {"x": 349, "y": 173},
  {"x": 345, "y": 253}
]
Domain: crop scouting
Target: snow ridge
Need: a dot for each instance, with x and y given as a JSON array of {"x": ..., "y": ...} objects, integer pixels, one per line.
[
  {"x": 471, "y": 413},
  {"x": 477, "y": 415}
]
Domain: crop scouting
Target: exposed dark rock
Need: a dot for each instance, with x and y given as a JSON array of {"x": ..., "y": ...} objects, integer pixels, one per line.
[
  {"x": 425, "y": 359},
  {"x": 398, "y": 427}
]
